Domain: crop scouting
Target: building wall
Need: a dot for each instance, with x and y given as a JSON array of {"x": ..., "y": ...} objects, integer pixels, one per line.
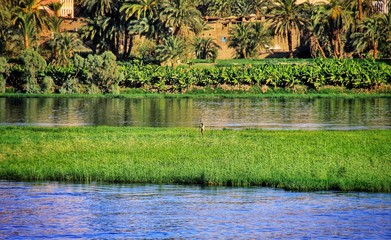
[
  {"x": 67, "y": 9},
  {"x": 219, "y": 31}
]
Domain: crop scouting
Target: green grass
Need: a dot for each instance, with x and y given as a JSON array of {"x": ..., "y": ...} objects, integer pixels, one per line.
[
  {"x": 295, "y": 160},
  {"x": 205, "y": 93}
]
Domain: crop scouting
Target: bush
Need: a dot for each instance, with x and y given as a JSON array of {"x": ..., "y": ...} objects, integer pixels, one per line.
[
  {"x": 31, "y": 85},
  {"x": 70, "y": 86},
  {"x": 32, "y": 67},
  {"x": 47, "y": 85},
  {"x": 145, "y": 50},
  {"x": 2, "y": 84},
  {"x": 100, "y": 70},
  {"x": 4, "y": 69}
]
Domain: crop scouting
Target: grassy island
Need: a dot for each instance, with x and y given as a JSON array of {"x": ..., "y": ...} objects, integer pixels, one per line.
[{"x": 294, "y": 160}]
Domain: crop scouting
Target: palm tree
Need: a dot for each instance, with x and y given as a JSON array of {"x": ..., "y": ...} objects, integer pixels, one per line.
[
  {"x": 55, "y": 7},
  {"x": 222, "y": 8},
  {"x": 142, "y": 18},
  {"x": 54, "y": 24},
  {"x": 182, "y": 16},
  {"x": 66, "y": 44},
  {"x": 6, "y": 24},
  {"x": 339, "y": 20},
  {"x": 36, "y": 10},
  {"x": 387, "y": 32},
  {"x": 248, "y": 38},
  {"x": 206, "y": 48},
  {"x": 27, "y": 27},
  {"x": 239, "y": 39},
  {"x": 97, "y": 7},
  {"x": 315, "y": 29},
  {"x": 373, "y": 32},
  {"x": 243, "y": 8},
  {"x": 261, "y": 36},
  {"x": 109, "y": 29},
  {"x": 171, "y": 51},
  {"x": 286, "y": 19},
  {"x": 140, "y": 8}
]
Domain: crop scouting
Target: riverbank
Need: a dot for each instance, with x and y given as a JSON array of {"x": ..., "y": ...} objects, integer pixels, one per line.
[
  {"x": 294, "y": 160},
  {"x": 85, "y": 76},
  {"x": 206, "y": 93}
]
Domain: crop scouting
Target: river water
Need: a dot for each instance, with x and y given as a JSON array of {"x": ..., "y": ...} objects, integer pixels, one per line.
[
  {"x": 265, "y": 113},
  {"x": 64, "y": 210}
]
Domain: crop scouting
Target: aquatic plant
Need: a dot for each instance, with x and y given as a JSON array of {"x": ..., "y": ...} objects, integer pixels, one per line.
[{"x": 295, "y": 160}]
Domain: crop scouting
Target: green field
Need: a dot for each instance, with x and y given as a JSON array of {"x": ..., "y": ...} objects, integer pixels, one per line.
[{"x": 294, "y": 160}]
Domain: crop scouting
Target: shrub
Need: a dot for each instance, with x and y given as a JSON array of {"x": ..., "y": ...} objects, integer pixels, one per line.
[
  {"x": 47, "y": 85},
  {"x": 146, "y": 50},
  {"x": 4, "y": 69},
  {"x": 100, "y": 70},
  {"x": 2, "y": 84},
  {"x": 32, "y": 66},
  {"x": 70, "y": 86}
]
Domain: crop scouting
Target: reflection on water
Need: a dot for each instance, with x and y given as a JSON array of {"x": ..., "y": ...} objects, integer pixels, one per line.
[
  {"x": 268, "y": 113},
  {"x": 53, "y": 210}
]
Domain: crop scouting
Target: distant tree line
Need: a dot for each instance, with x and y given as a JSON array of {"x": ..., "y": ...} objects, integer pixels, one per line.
[
  {"x": 36, "y": 56},
  {"x": 336, "y": 28}
]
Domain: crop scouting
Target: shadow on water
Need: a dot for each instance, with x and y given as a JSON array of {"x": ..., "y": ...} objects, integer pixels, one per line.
[{"x": 236, "y": 113}]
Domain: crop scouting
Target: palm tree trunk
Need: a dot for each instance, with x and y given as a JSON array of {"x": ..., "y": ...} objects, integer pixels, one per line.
[
  {"x": 317, "y": 44},
  {"x": 117, "y": 44},
  {"x": 26, "y": 41},
  {"x": 339, "y": 42},
  {"x": 130, "y": 39},
  {"x": 125, "y": 51},
  {"x": 375, "y": 49},
  {"x": 334, "y": 44},
  {"x": 360, "y": 17},
  {"x": 360, "y": 13},
  {"x": 290, "y": 43},
  {"x": 176, "y": 31}
]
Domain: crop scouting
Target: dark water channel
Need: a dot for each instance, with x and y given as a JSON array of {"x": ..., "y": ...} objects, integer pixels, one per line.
[
  {"x": 58, "y": 210},
  {"x": 266, "y": 113}
]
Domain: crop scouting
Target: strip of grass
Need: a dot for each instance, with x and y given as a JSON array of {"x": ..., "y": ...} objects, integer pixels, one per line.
[
  {"x": 242, "y": 61},
  {"x": 295, "y": 160},
  {"x": 207, "y": 93}
]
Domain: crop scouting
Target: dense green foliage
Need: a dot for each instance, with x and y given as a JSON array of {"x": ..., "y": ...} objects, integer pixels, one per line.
[
  {"x": 345, "y": 73},
  {"x": 102, "y": 74},
  {"x": 248, "y": 39},
  {"x": 296, "y": 160},
  {"x": 4, "y": 68},
  {"x": 335, "y": 28}
]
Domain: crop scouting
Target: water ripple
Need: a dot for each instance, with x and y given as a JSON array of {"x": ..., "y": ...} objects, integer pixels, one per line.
[{"x": 56, "y": 210}]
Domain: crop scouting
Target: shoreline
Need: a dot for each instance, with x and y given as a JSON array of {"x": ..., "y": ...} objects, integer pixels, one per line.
[{"x": 201, "y": 95}]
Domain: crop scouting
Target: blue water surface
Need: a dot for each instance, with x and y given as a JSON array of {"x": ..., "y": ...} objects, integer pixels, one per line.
[{"x": 54, "y": 210}]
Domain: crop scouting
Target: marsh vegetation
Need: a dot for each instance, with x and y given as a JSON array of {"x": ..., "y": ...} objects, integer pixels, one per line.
[{"x": 295, "y": 160}]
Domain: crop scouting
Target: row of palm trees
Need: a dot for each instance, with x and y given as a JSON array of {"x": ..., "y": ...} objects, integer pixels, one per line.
[
  {"x": 25, "y": 25},
  {"x": 331, "y": 29}
]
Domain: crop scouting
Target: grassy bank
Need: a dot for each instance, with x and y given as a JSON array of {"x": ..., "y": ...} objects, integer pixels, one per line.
[
  {"x": 207, "y": 93},
  {"x": 297, "y": 160}
]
